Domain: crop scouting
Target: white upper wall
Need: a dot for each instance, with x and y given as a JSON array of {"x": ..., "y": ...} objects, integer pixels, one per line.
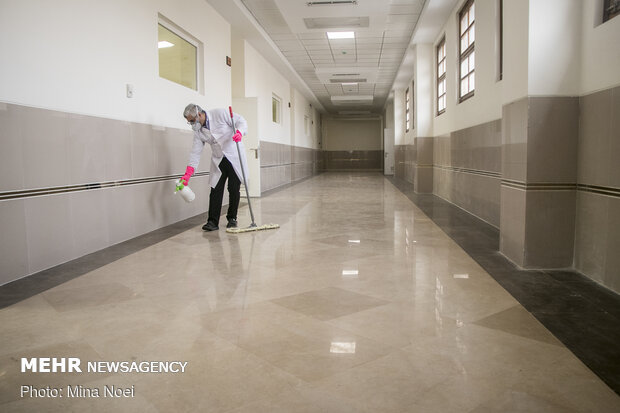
[
  {"x": 486, "y": 104},
  {"x": 423, "y": 98},
  {"x": 77, "y": 56},
  {"x": 600, "y": 55},
  {"x": 515, "y": 48},
  {"x": 263, "y": 81},
  {"x": 305, "y": 135},
  {"x": 554, "y": 51}
]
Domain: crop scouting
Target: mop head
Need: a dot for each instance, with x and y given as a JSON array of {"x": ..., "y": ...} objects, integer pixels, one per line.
[{"x": 252, "y": 228}]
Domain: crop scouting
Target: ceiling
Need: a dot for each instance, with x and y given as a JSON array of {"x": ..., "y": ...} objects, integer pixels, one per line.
[{"x": 367, "y": 64}]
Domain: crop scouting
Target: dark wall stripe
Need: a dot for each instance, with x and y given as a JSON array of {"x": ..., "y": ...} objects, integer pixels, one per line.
[
  {"x": 470, "y": 171},
  {"x": 548, "y": 186},
  {"x": 27, "y": 193}
]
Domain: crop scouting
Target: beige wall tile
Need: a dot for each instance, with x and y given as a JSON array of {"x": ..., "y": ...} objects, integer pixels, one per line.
[
  {"x": 594, "y": 138},
  {"x": 512, "y": 224},
  {"x": 549, "y": 229},
  {"x": 591, "y": 234},
  {"x": 13, "y": 243},
  {"x": 12, "y": 165},
  {"x": 553, "y": 127}
]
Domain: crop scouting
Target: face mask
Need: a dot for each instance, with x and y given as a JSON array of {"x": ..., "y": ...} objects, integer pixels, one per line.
[{"x": 196, "y": 126}]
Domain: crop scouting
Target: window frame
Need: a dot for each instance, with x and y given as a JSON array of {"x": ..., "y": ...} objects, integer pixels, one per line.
[
  {"x": 441, "y": 78},
  {"x": 407, "y": 114},
  {"x": 276, "y": 115},
  {"x": 470, "y": 50},
  {"x": 607, "y": 10},
  {"x": 501, "y": 39},
  {"x": 413, "y": 105},
  {"x": 186, "y": 36}
]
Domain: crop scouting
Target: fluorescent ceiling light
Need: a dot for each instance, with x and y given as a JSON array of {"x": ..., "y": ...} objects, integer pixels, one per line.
[
  {"x": 164, "y": 44},
  {"x": 340, "y": 35},
  {"x": 342, "y": 347},
  {"x": 349, "y": 84},
  {"x": 350, "y": 273}
]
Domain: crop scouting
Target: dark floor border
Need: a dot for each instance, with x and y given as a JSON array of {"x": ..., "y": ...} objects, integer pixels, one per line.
[
  {"x": 582, "y": 314},
  {"x": 31, "y": 285}
]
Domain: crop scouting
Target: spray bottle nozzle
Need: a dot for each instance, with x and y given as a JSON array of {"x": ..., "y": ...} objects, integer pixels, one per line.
[{"x": 180, "y": 186}]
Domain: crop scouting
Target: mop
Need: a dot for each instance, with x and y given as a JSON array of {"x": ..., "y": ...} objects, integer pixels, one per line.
[{"x": 253, "y": 226}]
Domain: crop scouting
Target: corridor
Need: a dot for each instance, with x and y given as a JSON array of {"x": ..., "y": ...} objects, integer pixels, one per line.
[{"x": 359, "y": 302}]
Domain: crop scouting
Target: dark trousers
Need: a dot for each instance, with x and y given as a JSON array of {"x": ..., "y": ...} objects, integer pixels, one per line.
[{"x": 217, "y": 193}]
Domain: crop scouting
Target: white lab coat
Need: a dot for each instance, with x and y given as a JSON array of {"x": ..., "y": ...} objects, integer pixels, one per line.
[{"x": 219, "y": 136}]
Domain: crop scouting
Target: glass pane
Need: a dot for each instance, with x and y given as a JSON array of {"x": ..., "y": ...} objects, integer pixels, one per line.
[
  {"x": 464, "y": 87},
  {"x": 472, "y": 82},
  {"x": 177, "y": 58},
  {"x": 464, "y": 67},
  {"x": 472, "y": 11},
  {"x": 463, "y": 43},
  {"x": 472, "y": 61},
  {"x": 464, "y": 23},
  {"x": 472, "y": 34},
  {"x": 275, "y": 110},
  {"x": 443, "y": 102}
]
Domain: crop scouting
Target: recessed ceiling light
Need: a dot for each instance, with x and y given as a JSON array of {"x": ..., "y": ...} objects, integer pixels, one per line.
[
  {"x": 340, "y": 35},
  {"x": 164, "y": 44}
]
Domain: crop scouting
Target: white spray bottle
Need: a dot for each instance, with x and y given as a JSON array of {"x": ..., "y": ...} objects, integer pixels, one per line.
[{"x": 186, "y": 193}]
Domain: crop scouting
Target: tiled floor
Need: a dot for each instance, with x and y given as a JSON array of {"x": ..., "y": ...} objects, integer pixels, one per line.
[{"x": 358, "y": 303}]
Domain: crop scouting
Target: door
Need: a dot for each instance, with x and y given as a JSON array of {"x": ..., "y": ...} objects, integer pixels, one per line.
[
  {"x": 248, "y": 108},
  {"x": 388, "y": 151}
]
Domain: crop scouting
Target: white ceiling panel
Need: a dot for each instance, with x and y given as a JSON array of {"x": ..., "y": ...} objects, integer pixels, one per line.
[
  {"x": 402, "y": 9},
  {"x": 402, "y": 18},
  {"x": 315, "y": 42},
  {"x": 379, "y": 47}
]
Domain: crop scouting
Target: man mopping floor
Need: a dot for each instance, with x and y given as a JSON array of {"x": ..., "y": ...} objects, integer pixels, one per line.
[{"x": 228, "y": 162}]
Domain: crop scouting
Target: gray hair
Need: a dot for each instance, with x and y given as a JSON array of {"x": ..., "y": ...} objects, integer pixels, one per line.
[{"x": 192, "y": 109}]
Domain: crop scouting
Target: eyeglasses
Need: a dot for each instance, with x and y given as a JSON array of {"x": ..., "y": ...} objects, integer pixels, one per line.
[{"x": 191, "y": 122}]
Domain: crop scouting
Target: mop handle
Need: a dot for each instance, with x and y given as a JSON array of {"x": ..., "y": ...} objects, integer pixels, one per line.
[{"x": 247, "y": 191}]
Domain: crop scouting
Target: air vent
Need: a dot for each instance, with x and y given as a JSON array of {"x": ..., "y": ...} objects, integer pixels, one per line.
[
  {"x": 336, "y": 22},
  {"x": 352, "y": 100},
  {"x": 332, "y": 3},
  {"x": 347, "y": 80},
  {"x": 354, "y": 112}
]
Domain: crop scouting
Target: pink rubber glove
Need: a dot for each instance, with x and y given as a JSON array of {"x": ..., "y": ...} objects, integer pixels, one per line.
[
  {"x": 189, "y": 171},
  {"x": 237, "y": 136}
]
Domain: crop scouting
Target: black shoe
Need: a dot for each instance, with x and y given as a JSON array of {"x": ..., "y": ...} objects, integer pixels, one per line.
[
  {"x": 210, "y": 226},
  {"x": 232, "y": 223}
]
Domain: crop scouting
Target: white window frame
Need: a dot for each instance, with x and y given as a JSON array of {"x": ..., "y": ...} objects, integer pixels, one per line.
[
  {"x": 441, "y": 78},
  {"x": 174, "y": 28},
  {"x": 276, "y": 117},
  {"x": 407, "y": 110},
  {"x": 467, "y": 56}
]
